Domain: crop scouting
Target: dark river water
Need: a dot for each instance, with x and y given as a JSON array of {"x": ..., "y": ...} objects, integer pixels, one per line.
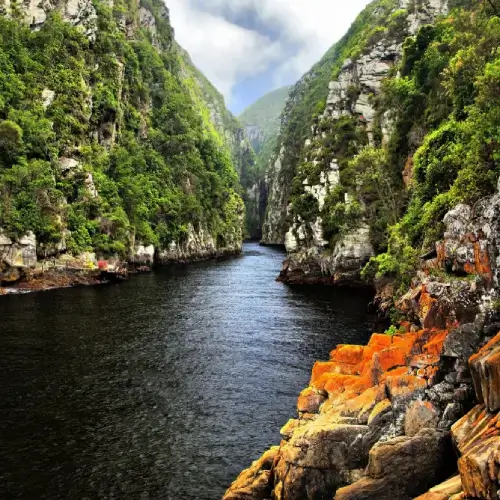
[{"x": 163, "y": 387}]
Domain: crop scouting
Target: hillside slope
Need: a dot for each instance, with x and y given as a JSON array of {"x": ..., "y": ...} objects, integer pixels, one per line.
[
  {"x": 262, "y": 118},
  {"x": 108, "y": 142}
]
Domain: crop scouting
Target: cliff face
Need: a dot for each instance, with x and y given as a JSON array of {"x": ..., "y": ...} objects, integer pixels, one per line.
[
  {"x": 299, "y": 214},
  {"x": 112, "y": 142},
  {"x": 391, "y": 418},
  {"x": 261, "y": 121}
]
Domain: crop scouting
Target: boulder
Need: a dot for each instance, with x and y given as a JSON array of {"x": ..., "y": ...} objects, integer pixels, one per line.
[
  {"x": 310, "y": 400},
  {"x": 477, "y": 437},
  {"x": 462, "y": 342},
  {"x": 19, "y": 253},
  {"x": 254, "y": 483},
  {"x": 480, "y": 469},
  {"x": 144, "y": 255},
  {"x": 317, "y": 459},
  {"x": 420, "y": 415},
  {"x": 9, "y": 276},
  {"x": 403, "y": 467},
  {"x": 485, "y": 369}
]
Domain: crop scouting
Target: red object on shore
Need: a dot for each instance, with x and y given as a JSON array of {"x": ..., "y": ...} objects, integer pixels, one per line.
[{"x": 102, "y": 265}]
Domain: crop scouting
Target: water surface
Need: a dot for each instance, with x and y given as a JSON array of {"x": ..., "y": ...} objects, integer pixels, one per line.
[{"x": 163, "y": 387}]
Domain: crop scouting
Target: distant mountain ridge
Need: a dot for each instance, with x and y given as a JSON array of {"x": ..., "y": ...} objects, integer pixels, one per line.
[{"x": 262, "y": 118}]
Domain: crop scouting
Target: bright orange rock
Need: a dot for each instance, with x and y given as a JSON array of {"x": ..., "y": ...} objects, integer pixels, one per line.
[
  {"x": 349, "y": 354},
  {"x": 319, "y": 369},
  {"x": 402, "y": 370},
  {"x": 391, "y": 357},
  {"x": 380, "y": 340}
]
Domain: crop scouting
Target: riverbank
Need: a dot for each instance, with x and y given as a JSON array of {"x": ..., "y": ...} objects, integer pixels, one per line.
[
  {"x": 412, "y": 412},
  {"x": 84, "y": 271}
]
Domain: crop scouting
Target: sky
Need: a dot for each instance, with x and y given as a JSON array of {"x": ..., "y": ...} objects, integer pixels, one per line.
[{"x": 247, "y": 48}]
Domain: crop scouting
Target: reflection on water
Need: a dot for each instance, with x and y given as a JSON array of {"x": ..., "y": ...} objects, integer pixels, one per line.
[{"x": 163, "y": 387}]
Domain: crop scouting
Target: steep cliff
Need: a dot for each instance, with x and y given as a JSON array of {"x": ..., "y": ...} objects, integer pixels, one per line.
[
  {"x": 109, "y": 140},
  {"x": 235, "y": 136},
  {"x": 262, "y": 122},
  {"x": 327, "y": 228}
]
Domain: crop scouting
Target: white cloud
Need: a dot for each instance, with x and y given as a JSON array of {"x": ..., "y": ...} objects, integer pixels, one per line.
[{"x": 228, "y": 53}]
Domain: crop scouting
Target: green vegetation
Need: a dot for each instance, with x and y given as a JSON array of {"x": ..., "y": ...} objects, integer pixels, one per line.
[
  {"x": 307, "y": 98},
  {"x": 129, "y": 117},
  {"x": 262, "y": 118},
  {"x": 442, "y": 100},
  {"x": 447, "y": 110}
]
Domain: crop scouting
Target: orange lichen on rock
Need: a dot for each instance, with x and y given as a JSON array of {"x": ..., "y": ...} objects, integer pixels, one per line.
[
  {"x": 404, "y": 385},
  {"x": 392, "y": 357},
  {"x": 256, "y": 480},
  {"x": 425, "y": 303},
  {"x": 357, "y": 378},
  {"x": 481, "y": 264},
  {"x": 347, "y": 354},
  {"x": 485, "y": 369}
]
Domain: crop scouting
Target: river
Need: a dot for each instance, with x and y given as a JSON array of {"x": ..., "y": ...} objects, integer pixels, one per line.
[{"x": 163, "y": 387}]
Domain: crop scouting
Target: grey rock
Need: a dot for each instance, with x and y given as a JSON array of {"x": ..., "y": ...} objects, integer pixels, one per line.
[{"x": 462, "y": 342}]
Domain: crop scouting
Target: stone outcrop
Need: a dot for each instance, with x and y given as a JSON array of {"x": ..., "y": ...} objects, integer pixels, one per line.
[
  {"x": 18, "y": 253},
  {"x": 198, "y": 245},
  {"x": 375, "y": 424},
  {"x": 80, "y": 13},
  {"x": 379, "y": 421},
  {"x": 312, "y": 258},
  {"x": 372, "y": 424}
]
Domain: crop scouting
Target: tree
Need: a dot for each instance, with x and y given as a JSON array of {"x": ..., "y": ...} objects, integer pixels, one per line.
[{"x": 11, "y": 139}]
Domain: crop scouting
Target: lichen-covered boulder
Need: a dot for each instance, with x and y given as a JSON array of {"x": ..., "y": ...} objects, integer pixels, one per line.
[
  {"x": 20, "y": 253},
  {"x": 485, "y": 369},
  {"x": 255, "y": 482}
]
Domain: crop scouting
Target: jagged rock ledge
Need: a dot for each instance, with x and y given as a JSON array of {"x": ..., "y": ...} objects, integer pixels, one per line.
[
  {"x": 375, "y": 423},
  {"x": 27, "y": 267}
]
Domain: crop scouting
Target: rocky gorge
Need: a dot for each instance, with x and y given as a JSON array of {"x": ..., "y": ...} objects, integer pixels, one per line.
[
  {"x": 382, "y": 172},
  {"x": 381, "y": 193}
]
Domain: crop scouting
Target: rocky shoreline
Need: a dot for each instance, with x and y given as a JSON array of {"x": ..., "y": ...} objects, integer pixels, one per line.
[
  {"x": 415, "y": 412},
  {"x": 45, "y": 278},
  {"x": 388, "y": 420}
]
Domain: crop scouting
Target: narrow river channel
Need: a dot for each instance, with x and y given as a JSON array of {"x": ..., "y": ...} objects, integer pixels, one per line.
[{"x": 163, "y": 387}]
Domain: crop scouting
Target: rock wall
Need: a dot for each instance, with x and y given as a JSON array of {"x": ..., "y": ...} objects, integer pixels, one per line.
[
  {"x": 30, "y": 253},
  {"x": 312, "y": 258},
  {"x": 79, "y": 13},
  {"x": 386, "y": 420}
]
